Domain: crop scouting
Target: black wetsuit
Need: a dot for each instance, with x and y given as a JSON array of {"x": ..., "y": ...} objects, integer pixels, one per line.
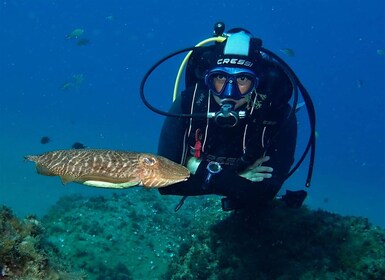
[{"x": 279, "y": 139}]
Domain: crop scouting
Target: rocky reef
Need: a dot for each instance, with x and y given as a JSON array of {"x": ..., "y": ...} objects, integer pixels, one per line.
[
  {"x": 23, "y": 252},
  {"x": 282, "y": 243},
  {"x": 136, "y": 234},
  {"x": 132, "y": 235}
]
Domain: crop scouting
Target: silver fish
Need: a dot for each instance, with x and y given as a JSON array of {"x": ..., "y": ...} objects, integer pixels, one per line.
[{"x": 110, "y": 168}]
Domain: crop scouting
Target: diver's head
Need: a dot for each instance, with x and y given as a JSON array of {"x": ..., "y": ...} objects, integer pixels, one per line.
[{"x": 233, "y": 73}]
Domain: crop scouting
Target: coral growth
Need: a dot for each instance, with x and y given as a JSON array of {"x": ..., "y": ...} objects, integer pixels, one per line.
[{"x": 21, "y": 252}]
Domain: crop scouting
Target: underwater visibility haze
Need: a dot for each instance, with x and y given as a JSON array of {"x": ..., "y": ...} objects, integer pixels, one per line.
[{"x": 70, "y": 73}]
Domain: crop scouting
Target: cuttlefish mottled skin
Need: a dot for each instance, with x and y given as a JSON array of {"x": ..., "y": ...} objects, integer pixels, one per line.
[{"x": 110, "y": 168}]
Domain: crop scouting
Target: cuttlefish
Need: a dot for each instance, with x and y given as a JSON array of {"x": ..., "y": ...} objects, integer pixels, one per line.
[{"x": 110, "y": 168}]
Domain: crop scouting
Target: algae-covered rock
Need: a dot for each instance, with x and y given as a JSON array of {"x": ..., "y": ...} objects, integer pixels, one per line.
[
  {"x": 22, "y": 252},
  {"x": 137, "y": 235},
  {"x": 282, "y": 243},
  {"x": 132, "y": 235}
]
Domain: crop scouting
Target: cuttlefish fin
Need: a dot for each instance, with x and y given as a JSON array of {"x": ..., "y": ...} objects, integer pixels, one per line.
[
  {"x": 44, "y": 170},
  {"x": 65, "y": 179}
]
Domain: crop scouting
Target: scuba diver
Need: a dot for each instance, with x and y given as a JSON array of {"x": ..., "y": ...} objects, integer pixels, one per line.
[{"x": 234, "y": 125}]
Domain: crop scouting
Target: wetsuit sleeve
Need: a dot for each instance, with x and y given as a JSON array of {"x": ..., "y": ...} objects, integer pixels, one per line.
[{"x": 253, "y": 194}]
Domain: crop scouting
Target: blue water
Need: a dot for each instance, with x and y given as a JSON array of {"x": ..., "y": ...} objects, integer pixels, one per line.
[{"x": 335, "y": 44}]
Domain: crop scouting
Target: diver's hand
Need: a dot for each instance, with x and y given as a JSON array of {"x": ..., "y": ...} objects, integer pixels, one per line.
[
  {"x": 257, "y": 172},
  {"x": 193, "y": 164}
]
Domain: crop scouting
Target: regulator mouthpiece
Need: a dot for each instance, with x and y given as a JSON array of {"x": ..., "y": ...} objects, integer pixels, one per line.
[{"x": 227, "y": 116}]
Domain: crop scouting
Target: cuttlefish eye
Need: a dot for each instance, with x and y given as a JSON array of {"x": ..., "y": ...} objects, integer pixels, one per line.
[{"x": 149, "y": 160}]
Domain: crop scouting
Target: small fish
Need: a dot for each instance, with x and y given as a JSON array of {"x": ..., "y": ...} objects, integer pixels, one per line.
[
  {"x": 45, "y": 140},
  {"x": 381, "y": 52},
  {"x": 78, "y": 145},
  {"x": 83, "y": 42},
  {"x": 75, "y": 34},
  {"x": 110, "y": 17},
  {"x": 288, "y": 52},
  {"x": 67, "y": 86},
  {"x": 78, "y": 79},
  {"x": 360, "y": 83},
  {"x": 110, "y": 168}
]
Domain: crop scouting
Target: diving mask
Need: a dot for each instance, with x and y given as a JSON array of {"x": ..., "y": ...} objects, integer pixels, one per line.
[{"x": 231, "y": 83}]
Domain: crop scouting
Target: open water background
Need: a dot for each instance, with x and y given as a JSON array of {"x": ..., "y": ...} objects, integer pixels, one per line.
[{"x": 336, "y": 58}]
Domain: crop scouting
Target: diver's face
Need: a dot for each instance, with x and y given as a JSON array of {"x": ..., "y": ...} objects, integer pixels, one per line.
[
  {"x": 231, "y": 83},
  {"x": 244, "y": 83}
]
